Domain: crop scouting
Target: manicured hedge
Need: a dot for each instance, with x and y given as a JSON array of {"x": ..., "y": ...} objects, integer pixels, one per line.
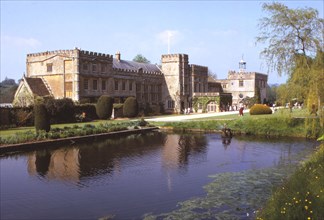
[
  {"x": 60, "y": 110},
  {"x": 130, "y": 108},
  {"x": 259, "y": 109},
  {"x": 88, "y": 109},
  {"x": 42, "y": 119},
  {"x": 104, "y": 107},
  {"x": 16, "y": 116}
]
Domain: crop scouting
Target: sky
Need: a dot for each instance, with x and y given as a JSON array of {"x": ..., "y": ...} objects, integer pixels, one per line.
[{"x": 216, "y": 34}]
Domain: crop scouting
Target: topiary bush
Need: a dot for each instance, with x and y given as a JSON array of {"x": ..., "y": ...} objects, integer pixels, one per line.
[
  {"x": 259, "y": 109},
  {"x": 88, "y": 109},
  {"x": 104, "y": 107},
  {"x": 60, "y": 110},
  {"x": 42, "y": 119},
  {"x": 130, "y": 108}
]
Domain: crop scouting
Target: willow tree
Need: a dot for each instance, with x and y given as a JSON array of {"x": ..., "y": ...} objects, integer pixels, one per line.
[
  {"x": 294, "y": 46},
  {"x": 289, "y": 34}
]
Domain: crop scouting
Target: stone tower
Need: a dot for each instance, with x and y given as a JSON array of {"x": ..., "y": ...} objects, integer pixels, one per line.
[{"x": 176, "y": 72}]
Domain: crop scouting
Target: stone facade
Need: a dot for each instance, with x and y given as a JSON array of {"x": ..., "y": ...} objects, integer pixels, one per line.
[
  {"x": 83, "y": 75},
  {"x": 242, "y": 84}
]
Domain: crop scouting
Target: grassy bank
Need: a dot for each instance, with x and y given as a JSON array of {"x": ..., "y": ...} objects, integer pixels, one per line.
[
  {"x": 302, "y": 196},
  {"x": 279, "y": 126},
  {"x": 25, "y": 135}
]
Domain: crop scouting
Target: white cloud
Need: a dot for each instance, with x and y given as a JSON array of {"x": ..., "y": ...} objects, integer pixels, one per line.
[{"x": 20, "y": 41}]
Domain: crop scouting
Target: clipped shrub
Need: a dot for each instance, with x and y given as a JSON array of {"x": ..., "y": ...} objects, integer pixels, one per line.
[
  {"x": 130, "y": 108},
  {"x": 24, "y": 116},
  {"x": 4, "y": 117},
  {"x": 259, "y": 109},
  {"x": 42, "y": 120},
  {"x": 88, "y": 109},
  {"x": 60, "y": 110},
  {"x": 104, "y": 107}
]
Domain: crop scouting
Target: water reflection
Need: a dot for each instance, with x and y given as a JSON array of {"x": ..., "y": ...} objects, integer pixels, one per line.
[
  {"x": 105, "y": 157},
  {"x": 110, "y": 177},
  {"x": 226, "y": 141}
]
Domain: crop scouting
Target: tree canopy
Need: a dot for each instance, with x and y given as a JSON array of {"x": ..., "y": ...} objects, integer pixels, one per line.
[
  {"x": 294, "y": 39},
  {"x": 141, "y": 59},
  {"x": 289, "y": 33}
]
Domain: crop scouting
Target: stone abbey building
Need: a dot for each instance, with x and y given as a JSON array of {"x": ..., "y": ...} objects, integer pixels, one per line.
[{"x": 83, "y": 75}]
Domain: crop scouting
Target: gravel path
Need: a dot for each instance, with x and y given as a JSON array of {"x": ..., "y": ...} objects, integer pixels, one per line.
[{"x": 193, "y": 116}]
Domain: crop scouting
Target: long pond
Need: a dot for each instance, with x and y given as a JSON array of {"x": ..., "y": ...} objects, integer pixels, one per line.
[{"x": 152, "y": 176}]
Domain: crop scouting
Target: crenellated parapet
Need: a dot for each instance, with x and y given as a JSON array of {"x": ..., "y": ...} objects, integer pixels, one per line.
[
  {"x": 49, "y": 53},
  {"x": 174, "y": 58},
  {"x": 95, "y": 54},
  {"x": 199, "y": 68},
  {"x": 136, "y": 71}
]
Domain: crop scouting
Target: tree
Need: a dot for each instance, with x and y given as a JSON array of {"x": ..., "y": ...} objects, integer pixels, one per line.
[
  {"x": 42, "y": 119},
  {"x": 130, "y": 108},
  {"x": 212, "y": 74},
  {"x": 141, "y": 59},
  {"x": 289, "y": 33},
  {"x": 104, "y": 107}
]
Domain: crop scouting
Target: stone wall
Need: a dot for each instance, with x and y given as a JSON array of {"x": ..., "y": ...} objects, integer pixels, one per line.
[{"x": 176, "y": 75}]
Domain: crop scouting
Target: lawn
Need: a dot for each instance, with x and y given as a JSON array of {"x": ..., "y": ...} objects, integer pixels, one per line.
[
  {"x": 14, "y": 131},
  {"x": 280, "y": 112}
]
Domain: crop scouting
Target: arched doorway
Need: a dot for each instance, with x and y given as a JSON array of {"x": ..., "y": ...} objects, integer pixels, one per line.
[{"x": 212, "y": 106}]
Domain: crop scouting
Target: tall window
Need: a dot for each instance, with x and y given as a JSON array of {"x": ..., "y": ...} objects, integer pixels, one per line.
[
  {"x": 86, "y": 84},
  {"x": 85, "y": 66},
  {"x": 241, "y": 83},
  {"x": 103, "y": 84},
  {"x": 49, "y": 67},
  {"x": 94, "y": 67},
  {"x": 95, "y": 84},
  {"x": 103, "y": 67},
  {"x": 130, "y": 86},
  {"x": 116, "y": 84},
  {"x": 170, "y": 104},
  {"x": 123, "y": 85}
]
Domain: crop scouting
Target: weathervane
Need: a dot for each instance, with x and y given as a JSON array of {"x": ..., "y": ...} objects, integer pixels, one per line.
[{"x": 242, "y": 65}]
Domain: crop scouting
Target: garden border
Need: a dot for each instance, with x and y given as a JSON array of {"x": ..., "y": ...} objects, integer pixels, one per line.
[{"x": 70, "y": 140}]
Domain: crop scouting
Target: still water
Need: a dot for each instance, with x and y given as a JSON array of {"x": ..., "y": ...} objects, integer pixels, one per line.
[{"x": 127, "y": 178}]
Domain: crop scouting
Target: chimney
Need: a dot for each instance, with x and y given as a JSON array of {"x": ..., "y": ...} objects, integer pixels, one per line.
[{"x": 117, "y": 55}]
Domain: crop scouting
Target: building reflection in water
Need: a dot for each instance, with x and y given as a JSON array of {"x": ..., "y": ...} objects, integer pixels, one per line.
[
  {"x": 61, "y": 164},
  {"x": 104, "y": 157},
  {"x": 177, "y": 150}
]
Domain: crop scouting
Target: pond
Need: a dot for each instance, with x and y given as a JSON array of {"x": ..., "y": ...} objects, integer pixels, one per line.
[{"x": 154, "y": 176}]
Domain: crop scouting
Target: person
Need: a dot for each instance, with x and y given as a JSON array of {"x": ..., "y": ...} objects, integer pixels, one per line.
[
  {"x": 83, "y": 116},
  {"x": 241, "y": 111}
]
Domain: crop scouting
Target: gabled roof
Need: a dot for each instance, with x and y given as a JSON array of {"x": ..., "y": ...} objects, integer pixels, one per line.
[
  {"x": 134, "y": 66},
  {"x": 37, "y": 86}
]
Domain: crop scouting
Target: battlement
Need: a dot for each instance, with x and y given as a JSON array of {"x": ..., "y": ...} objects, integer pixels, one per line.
[
  {"x": 51, "y": 53},
  {"x": 95, "y": 54},
  {"x": 233, "y": 72},
  {"x": 174, "y": 57},
  {"x": 195, "y": 66},
  {"x": 70, "y": 52},
  {"x": 136, "y": 71}
]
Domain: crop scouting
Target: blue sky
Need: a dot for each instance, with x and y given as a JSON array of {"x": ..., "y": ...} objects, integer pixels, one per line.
[{"x": 213, "y": 33}]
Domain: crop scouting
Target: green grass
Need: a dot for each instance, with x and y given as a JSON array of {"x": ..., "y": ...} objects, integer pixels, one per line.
[
  {"x": 302, "y": 196},
  {"x": 28, "y": 134},
  {"x": 281, "y": 123},
  {"x": 280, "y": 112},
  {"x": 14, "y": 131}
]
